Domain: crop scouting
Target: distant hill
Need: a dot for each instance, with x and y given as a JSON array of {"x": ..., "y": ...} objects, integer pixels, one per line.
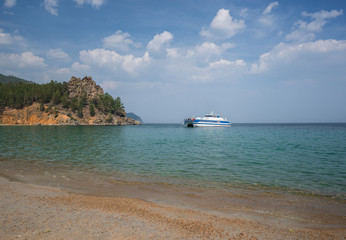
[
  {"x": 6, "y": 79},
  {"x": 134, "y": 117}
]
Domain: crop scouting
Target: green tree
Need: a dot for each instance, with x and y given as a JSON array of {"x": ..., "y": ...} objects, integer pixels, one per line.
[
  {"x": 74, "y": 104},
  {"x": 109, "y": 118},
  {"x": 56, "y": 98},
  {"x": 91, "y": 109},
  {"x": 83, "y": 99},
  {"x": 65, "y": 100},
  {"x": 42, "y": 107}
]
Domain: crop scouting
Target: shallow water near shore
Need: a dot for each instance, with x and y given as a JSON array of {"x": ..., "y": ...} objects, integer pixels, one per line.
[{"x": 266, "y": 168}]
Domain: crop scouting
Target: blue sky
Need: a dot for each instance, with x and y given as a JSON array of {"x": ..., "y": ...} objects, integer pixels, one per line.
[{"x": 248, "y": 60}]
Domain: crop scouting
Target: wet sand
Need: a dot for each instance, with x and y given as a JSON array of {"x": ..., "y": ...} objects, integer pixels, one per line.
[{"x": 29, "y": 211}]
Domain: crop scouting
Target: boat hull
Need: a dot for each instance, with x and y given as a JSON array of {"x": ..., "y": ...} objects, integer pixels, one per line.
[
  {"x": 212, "y": 125},
  {"x": 209, "y": 120},
  {"x": 207, "y": 124}
]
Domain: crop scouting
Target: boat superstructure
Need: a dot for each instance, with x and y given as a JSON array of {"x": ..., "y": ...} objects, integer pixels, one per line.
[{"x": 209, "y": 120}]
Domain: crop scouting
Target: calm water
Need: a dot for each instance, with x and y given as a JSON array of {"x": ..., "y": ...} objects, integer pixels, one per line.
[{"x": 308, "y": 158}]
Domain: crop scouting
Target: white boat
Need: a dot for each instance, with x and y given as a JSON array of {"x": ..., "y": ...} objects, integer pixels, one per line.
[{"x": 209, "y": 120}]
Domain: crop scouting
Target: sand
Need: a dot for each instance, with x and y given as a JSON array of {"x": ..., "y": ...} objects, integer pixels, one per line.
[{"x": 30, "y": 211}]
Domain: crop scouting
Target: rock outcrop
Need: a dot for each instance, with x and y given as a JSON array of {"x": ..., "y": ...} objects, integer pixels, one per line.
[
  {"x": 58, "y": 115},
  {"x": 77, "y": 86}
]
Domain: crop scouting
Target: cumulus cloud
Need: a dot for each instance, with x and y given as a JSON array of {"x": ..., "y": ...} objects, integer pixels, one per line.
[
  {"x": 305, "y": 31},
  {"x": 10, "y": 39},
  {"x": 5, "y": 38},
  {"x": 208, "y": 51},
  {"x": 119, "y": 41},
  {"x": 63, "y": 71},
  {"x": 58, "y": 54},
  {"x": 221, "y": 69},
  {"x": 80, "y": 67},
  {"x": 112, "y": 61},
  {"x": 93, "y": 3},
  {"x": 318, "y": 53},
  {"x": 157, "y": 46},
  {"x": 173, "y": 52},
  {"x": 51, "y": 6},
  {"x": 9, "y": 3},
  {"x": 227, "y": 63},
  {"x": 24, "y": 60},
  {"x": 223, "y": 26}
]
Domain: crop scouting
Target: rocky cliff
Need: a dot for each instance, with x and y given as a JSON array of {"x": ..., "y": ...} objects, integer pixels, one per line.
[
  {"x": 48, "y": 114},
  {"x": 77, "y": 86}
]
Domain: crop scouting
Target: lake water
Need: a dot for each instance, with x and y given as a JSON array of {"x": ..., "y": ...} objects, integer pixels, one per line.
[{"x": 298, "y": 158}]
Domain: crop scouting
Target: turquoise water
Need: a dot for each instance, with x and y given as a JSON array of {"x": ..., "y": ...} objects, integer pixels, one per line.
[{"x": 308, "y": 158}]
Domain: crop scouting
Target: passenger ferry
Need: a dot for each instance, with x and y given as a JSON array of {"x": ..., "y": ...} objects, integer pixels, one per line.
[{"x": 209, "y": 120}]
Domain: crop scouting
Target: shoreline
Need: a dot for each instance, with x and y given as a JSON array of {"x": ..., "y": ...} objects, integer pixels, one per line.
[{"x": 35, "y": 211}]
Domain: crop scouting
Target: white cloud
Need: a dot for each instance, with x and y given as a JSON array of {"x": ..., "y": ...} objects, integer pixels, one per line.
[
  {"x": 173, "y": 52},
  {"x": 119, "y": 41},
  {"x": 80, "y": 67},
  {"x": 9, "y": 3},
  {"x": 112, "y": 61},
  {"x": 58, "y": 54},
  {"x": 24, "y": 60},
  {"x": 320, "y": 53},
  {"x": 270, "y": 7},
  {"x": 323, "y": 14},
  {"x": 220, "y": 70},
  {"x": 157, "y": 46},
  {"x": 226, "y": 63},
  {"x": 305, "y": 31},
  {"x": 131, "y": 63},
  {"x": 5, "y": 38},
  {"x": 208, "y": 51},
  {"x": 51, "y": 6},
  {"x": 267, "y": 18},
  {"x": 63, "y": 71},
  {"x": 223, "y": 26},
  {"x": 9, "y": 39},
  {"x": 93, "y": 3}
]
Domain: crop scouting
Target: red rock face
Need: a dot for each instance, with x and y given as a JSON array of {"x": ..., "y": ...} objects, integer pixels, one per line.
[{"x": 58, "y": 116}]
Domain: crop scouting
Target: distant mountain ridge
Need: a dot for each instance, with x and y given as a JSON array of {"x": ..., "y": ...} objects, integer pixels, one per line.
[
  {"x": 134, "y": 117},
  {"x": 7, "y": 79}
]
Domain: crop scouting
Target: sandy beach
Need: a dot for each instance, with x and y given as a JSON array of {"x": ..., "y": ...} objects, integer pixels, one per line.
[{"x": 30, "y": 211}]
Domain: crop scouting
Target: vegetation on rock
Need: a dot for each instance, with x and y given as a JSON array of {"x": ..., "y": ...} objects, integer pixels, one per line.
[
  {"x": 21, "y": 94},
  {"x": 78, "y": 101}
]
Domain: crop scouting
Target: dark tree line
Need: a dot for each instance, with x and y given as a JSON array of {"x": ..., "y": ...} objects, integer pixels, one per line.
[{"x": 21, "y": 94}]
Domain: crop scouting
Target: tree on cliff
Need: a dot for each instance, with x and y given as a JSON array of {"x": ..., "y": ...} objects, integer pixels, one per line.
[
  {"x": 107, "y": 104},
  {"x": 21, "y": 94},
  {"x": 91, "y": 109}
]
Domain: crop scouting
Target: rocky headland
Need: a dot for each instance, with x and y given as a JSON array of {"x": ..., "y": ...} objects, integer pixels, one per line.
[{"x": 84, "y": 103}]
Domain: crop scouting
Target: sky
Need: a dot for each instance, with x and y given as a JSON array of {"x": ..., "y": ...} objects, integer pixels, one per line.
[{"x": 250, "y": 61}]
